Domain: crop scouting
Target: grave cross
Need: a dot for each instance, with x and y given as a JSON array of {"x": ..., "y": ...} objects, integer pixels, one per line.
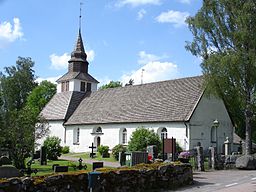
[{"x": 92, "y": 153}]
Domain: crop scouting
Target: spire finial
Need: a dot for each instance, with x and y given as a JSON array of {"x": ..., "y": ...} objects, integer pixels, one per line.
[{"x": 80, "y": 16}]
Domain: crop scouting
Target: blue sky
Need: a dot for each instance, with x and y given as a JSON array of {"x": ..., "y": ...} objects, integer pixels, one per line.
[{"x": 122, "y": 37}]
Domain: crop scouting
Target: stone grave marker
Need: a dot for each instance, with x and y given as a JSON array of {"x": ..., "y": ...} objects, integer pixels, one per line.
[
  {"x": 4, "y": 160},
  {"x": 8, "y": 171},
  {"x": 96, "y": 165},
  {"x": 43, "y": 158},
  {"x": 139, "y": 157},
  {"x": 60, "y": 169}
]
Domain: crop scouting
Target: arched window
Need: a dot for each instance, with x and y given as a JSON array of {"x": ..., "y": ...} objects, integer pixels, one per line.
[
  {"x": 76, "y": 136},
  {"x": 213, "y": 134},
  {"x": 124, "y": 136},
  {"x": 164, "y": 133}
]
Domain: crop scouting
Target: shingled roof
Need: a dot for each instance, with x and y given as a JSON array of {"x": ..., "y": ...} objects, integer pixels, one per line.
[
  {"x": 77, "y": 75},
  {"x": 166, "y": 101},
  {"x": 62, "y": 105}
]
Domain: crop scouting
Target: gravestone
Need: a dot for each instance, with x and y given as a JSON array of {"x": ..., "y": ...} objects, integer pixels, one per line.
[
  {"x": 4, "y": 160},
  {"x": 92, "y": 154},
  {"x": 212, "y": 158},
  {"x": 60, "y": 169},
  {"x": 43, "y": 158},
  {"x": 96, "y": 165},
  {"x": 36, "y": 155},
  {"x": 200, "y": 158},
  {"x": 139, "y": 157},
  {"x": 9, "y": 171},
  {"x": 54, "y": 165}
]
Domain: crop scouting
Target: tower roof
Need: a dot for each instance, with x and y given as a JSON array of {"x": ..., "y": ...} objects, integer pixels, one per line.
[{"x": 78, "y": 54}]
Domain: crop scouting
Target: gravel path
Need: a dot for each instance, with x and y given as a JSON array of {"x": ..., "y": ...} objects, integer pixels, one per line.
[{"x": 90, "y": 161}]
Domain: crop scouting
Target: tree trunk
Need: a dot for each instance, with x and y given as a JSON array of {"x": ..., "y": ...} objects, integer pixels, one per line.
[{"x": 248, "y": 126}]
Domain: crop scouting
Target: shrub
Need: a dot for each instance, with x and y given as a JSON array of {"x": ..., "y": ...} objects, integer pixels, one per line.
[
  {"x": 103, "y": 150},
  {"x": 143, "y": 137},
  {"x": 53, "y": 148},
  {"x": 118, "y": 148},
  {"x": 65, "y": 150}
]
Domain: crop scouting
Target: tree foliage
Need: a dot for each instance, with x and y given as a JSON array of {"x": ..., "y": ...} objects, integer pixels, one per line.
[
  {"x": 53, "y": 148},
  {"x": 143, "y": 137},
  {"x": 41, "y": 95},
  {"x": 224, "y": 37},
  {"x": 18, "y": 121},
  {"x": 111, "y": 84}
]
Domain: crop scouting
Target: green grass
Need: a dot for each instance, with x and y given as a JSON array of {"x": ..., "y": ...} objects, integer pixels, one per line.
[
  {"x": 87, "y": 156},
  {"x": 47, "y": 169}
]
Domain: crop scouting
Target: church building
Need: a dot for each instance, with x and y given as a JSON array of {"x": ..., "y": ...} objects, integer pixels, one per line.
[{"x": 80, "y": 114}]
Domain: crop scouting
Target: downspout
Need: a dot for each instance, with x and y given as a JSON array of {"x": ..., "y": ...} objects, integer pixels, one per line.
[
  {"x": 187, "y": 132},
  {"x": 64, "y": 132}
]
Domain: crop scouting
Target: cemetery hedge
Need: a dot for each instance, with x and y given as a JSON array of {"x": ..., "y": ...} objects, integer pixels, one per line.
[{"x": 142, "y": 177}]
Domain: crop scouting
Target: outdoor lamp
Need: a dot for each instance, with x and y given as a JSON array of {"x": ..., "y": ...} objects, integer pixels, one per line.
[{"x": 216, "y": 123}]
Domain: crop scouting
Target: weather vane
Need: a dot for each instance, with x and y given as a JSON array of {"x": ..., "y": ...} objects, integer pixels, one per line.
[{"x": 80, "y": 16}]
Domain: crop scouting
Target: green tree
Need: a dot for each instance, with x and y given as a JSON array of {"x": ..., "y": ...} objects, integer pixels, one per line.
[
  {"x": 18, "y": 121},
  {"x": 224, "y": 37},
  {"x": 53, "y": 148},
  {"x": 143, "y": 137},
  {"x": 111, "y": 84},
  {"x": 41, "y": 95}
]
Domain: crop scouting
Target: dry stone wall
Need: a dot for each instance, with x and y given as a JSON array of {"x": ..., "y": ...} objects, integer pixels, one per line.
[{"x": 142, "y": 177}]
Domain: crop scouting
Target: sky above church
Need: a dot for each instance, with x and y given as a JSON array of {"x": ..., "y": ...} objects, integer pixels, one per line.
[{"x": 142, "y": 40}]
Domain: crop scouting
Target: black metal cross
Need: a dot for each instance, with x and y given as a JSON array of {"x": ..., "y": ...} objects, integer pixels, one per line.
[{"x": 92, "y": 154}]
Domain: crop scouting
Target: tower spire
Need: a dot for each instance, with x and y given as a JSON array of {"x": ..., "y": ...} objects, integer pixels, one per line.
[
  {"x": 80, "y": 16},
  {"x": 78, "y": 61}
]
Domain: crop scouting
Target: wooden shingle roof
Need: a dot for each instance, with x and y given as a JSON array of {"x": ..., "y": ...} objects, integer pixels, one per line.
[
  {"x": 77, "y": 75},
  {"x": 62, "y": 105},
  {"x": 166, "y": 101}
]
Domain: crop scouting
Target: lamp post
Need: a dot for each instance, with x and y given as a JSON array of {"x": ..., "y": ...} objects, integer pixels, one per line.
[{"x": 216, "y": 124}]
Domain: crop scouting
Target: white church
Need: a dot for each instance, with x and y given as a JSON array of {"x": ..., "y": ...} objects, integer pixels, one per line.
[{"x": 80, "y": 114}]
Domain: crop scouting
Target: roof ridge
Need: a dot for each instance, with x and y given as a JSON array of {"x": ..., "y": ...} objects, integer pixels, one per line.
[{"x": 152, "y": 83}]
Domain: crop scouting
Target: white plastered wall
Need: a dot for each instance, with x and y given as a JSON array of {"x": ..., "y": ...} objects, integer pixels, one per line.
[
  {"x": 111, "y": 134},
  {"x": 201, "y": 122}
]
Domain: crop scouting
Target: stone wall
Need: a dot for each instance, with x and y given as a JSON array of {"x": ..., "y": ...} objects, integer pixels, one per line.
[{"x": 142, "y": 177}]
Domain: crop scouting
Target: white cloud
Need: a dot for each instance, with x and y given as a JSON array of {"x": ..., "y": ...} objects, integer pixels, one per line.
[
  {"x": 145, "y": 58},
  {"x": 10, "y": 33},
  {"x": 61, "y": 62},
  {"x": 90, "y": 55},
  {"x": 185, "y": 1},
  {"x": 153, "y": 69},
  {"x": 152, "y": 72},
  {"x": 141, "y": 14},
  {"x": 135, "y": 3},
  {"x": 51, "y": 79},
  {"x": 175, "y": 17}
]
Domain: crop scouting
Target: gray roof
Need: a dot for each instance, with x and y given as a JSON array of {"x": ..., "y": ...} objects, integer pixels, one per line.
[
  {"x": 62, "y": 105},
  {"x": 77, "y": 75},
  {"x": 165, "y": 101}
]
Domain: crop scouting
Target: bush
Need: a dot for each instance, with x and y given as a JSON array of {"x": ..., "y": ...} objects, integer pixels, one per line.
[
  {"x": 65, "y": 150},
  {"x": 53, "y": 148},
  {"x": 118, "y": 148},
  {"x": 103, "y": 150},
  {"x": 143, "y": 137}
]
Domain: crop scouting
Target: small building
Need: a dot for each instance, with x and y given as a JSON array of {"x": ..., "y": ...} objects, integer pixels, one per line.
[{"x": 80, "y": 114}]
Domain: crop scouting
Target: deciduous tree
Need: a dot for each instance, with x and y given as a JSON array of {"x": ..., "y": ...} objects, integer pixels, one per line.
[{"x": 224, "y": 38}]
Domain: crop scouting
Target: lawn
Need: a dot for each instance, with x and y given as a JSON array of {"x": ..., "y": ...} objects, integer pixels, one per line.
[
  {"x": 87, "y": 156},
  {"x": 47, "y": 169}
]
